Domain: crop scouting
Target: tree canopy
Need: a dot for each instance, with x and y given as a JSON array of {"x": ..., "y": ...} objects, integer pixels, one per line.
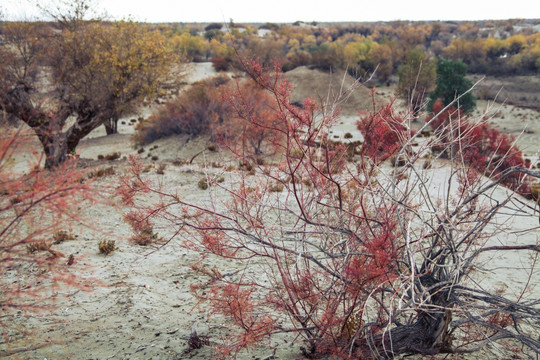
[
  {"x": 90, "y": 72},
  {"x": 452, "y": 83}
]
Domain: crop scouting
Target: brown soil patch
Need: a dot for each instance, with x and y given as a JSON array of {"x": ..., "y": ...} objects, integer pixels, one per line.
[{"x": 326, "y": 88}]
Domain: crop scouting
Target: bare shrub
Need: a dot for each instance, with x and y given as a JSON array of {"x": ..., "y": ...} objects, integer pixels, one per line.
[
  {"x": 34, "y": 207},
  {"x": 366, "y": 261}
]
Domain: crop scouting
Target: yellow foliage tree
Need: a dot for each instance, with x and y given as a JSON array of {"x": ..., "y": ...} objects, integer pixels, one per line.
[{"x": 96, "y": 72}]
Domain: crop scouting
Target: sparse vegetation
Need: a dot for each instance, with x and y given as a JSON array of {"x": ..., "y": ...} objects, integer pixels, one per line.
[
  {"x": 372, "y": 249},
  {"x": 38, "y": 246},
  {"x": 101, "y": 172},
  {"x": 113, "y": 156},
  {"x": 365, "y": 260},
  {"x": 203, "y": 184},
  {"x": 107, "y": 246},
  {"x": 161, "y": 169},
  {"x": 62, "y": 235}
]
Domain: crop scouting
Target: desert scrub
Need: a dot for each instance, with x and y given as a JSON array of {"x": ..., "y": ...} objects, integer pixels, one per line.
[
  {"x": 107, "y": 246},
  {"x": 101, "y": 172},
  {"x": 535, "y": 191},
  {"x": 203, "y": 184},
  {"x": 113, "y": 156},
  {"x": 245, "y": 166},
  {"x": 160, "y": 170},
  {"x": 276, "y": 188},
  {"x": 63, "y": 235},
  {"x": 397, "y": 163},
  {"x": 38, "y": 246},
  {"x": 145, "y": 236}
]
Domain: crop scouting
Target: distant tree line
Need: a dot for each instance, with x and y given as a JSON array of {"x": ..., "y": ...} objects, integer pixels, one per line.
[{"x": 505, "y": 47}]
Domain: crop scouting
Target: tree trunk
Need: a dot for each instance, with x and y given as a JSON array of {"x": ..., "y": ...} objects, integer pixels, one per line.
[
  {"x": 111, "y": 126},
  {"x": 427, "y": 336},
  {"x": 55, "y": 149}
]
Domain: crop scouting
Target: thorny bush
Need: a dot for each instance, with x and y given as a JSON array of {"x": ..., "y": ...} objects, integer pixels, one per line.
[
  {"x": 36, "y": 208},
  {"x": 482, "y": 147},
  {"x": 361, "y": 259},
  {"x": 233, "y": 113}
]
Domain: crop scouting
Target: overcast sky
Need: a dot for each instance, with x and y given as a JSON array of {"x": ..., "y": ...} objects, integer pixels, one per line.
[{"x": 292, "y": 10}]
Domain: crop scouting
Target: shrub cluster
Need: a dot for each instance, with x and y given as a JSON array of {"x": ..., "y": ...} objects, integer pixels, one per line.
[
  {"x": 235, "y": 114},
  {"x": 481, "y": 147},
  {"x": 191, "y": 113}
]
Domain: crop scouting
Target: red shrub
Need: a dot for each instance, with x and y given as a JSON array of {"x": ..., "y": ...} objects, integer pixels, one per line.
[
  {"x": 360, "y": 264},
  {"x": 384, "y": 133},
  {"x": 37, "y": 208},
  {"x": 220, "y": 63},
  {"x": 480, "y": 146}
]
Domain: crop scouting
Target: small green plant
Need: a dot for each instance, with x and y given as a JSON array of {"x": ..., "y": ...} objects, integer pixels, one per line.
[
  {"x": 348, "y": 135},
  {"x": 107, "y": 246},
  {"x": 220, "y": 180}
]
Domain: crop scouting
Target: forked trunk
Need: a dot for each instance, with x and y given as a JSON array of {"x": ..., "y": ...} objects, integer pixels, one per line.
[
  {"x": 56, "y": 150},
  {"x": 429, "y": 335}
]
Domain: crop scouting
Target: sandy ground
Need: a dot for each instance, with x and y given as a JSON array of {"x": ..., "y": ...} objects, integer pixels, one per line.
[{"x": 140, "y": 307}]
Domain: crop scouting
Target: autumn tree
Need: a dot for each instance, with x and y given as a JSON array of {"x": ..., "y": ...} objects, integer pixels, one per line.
[
  {"x": 416, "y": 79},
  {"x": 451, "y": 83},
  {"x": 92, "y": 72}
]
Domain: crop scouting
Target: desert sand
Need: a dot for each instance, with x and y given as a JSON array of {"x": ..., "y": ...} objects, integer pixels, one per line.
[{"x": 140, "y": 306}]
